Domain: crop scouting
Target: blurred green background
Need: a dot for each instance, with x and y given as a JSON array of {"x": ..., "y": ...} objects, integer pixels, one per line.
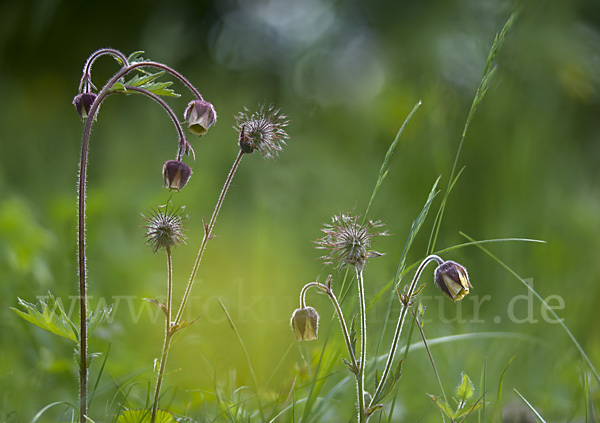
[{"x": 346, "y": 73}]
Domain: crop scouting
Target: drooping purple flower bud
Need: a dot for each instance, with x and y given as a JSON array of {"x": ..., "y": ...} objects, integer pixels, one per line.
[
  {"x": 176, "y": 174},
  {"x": 83, "y": 103},
  {"x": 453, "y": 280},
  {"x": 199, "y": 116}
]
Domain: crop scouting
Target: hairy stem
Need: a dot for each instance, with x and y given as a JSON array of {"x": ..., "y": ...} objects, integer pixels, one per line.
[
  {"x": 405, "y": 305},
  {"x": 169, "y": 111},
  {"x": 338, "y": 310},
  {"x": 208, "y": 228},
  {"x": 81, "y": 196},
  {"x": 168, "y": 334},
  {"x": 360, "y": 376},
  {"x": 86, "y": 79}
]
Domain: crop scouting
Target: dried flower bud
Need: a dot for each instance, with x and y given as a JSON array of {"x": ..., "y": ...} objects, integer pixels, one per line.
[
  {"x": 453, "y": 280},
  {"x": 305, "y": 322},
  {"x": 164, "y": 229},
  {"x": 199, "y": 116},
  {"x": 83, "y": 103},
  {"x": 176, "y": 174}
]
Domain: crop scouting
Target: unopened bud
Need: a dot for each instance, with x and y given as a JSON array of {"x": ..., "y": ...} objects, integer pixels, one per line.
[
  {"x": 453, "y": 280},
  {"x": 83, "y": 103},
  {"x": 176, "y": 174},
  {"x": 305, "y": 322},
  {"x": 199, "y": 116}
]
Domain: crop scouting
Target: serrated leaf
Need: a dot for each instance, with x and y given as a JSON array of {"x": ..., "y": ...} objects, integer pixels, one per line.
[
  {"x": 96, "y": 318},
  {"x": 136, "y": 56},
  {"x": 468, "y": 410},
  {"x": 465, "y": 389},
  {"x": 350, "y": 366},
  {"x": 49, "y": 316},
  {"x": 442, "y": 405},
  {"x": 144, "y": 416},
  {"x": 146, "y": 81}
]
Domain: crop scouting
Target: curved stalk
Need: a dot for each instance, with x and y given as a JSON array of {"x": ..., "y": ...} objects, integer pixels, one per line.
[
  {"x": 83, "y": 373},
  {"x": 401, "y": 318},
  {"x": 87, "y": 68},
  {"x": 338, "y": 310}
]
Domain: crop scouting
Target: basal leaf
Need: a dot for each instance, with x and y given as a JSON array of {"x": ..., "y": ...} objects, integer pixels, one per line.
[
  {"x": 442, "y": 405},
  {"x": 50, "y": 316},
  {"x": 465, "y": 389}
]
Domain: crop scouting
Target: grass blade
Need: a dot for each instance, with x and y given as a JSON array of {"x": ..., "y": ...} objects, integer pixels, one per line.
[
  {"x": 550, "y": 310},
  {"x": 479, "y": 94},
  {"x": 530, "y": 406},
  {"x": 384, "y": 166}
]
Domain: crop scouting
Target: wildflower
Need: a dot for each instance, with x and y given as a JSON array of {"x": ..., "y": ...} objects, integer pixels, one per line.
[
  {"x": 349, "y": 241},
  {"x": 262, "y": 130},
  {"x": 199, "y": 116},
  {"x": 176, "y": 174},
  {"x": 305, "y": 322},
  {"x": 83, "y": 103},
  {"x": 453, "y": 280},
  {"x": 164, "y": 229}
]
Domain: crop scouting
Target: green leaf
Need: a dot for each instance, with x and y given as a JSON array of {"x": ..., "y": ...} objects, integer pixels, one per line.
[
  {"x": 442, "y": 405},
  {"x": 468, "y": 410},
  {"x": 144, "y": 416},
  {"x": 146, "y": 81},
  {"x": 465, "y": 389},
  {"x": 98, "y": 317},
  {"x": 50, "y": 316},
  {"x": 136, "y": 56}
]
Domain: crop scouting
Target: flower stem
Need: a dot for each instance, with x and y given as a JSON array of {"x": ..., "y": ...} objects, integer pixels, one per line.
[
  {"x": 168, "y": 334},
  {"x": 405, "y": 305},
  {"x": 326, "y": 289},
  {"x": 81, "y": 197},
  {"x": 208, "y": 228},
  {"x": 360, "y": 376}
]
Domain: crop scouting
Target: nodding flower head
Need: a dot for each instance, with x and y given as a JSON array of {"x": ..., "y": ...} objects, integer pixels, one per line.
[
  {"x": 164, "y": 228},
  {"x": 453, "y": 280},
  {"x": 83, "y": 103},
  {"x": 262, "y": 130},
  {"x": 349, "y": 241},
  {"x": 199, "y": 116},
  {"x": 176, "y": 174},
  {"x": 305, "y": 323}
]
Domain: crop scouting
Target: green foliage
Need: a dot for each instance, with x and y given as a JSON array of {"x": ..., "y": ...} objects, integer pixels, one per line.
[
  {"x": 463, "y": 395},
  {"x": 146, "y": 81},
  {"x": 144, "y": 416},
  {"x": 49, "y": 315}
]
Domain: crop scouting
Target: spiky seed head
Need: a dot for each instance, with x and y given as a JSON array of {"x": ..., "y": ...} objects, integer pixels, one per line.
[
  {"x": 349, "y": 241},
  {"x": 262, "y": 130},
  {"x": 164, "y": 228}
]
